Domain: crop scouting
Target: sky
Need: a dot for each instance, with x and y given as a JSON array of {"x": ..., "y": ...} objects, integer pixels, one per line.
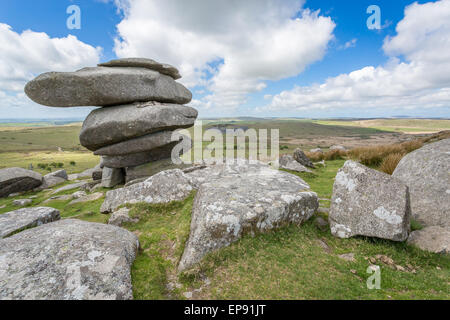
[{"x": 262, "y": 58}]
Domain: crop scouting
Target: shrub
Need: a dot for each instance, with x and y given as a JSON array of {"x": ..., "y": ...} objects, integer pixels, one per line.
[
  {"x": 315, "y": 156},
  {"x": 335, "y": 155},
  {"x": 73, "y": 163},
  {"x": 390, "y": 162}
]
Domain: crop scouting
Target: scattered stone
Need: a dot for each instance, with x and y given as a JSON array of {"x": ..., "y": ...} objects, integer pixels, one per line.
[
  {"x": 112, "y": 177},
  {"x": 164, "y": 187},
  {"x": 323, "y": 210},
  {"x": 321, "y": 223},
  {"x": 187, "y": 295},
  {"x": 91, "y": 185},
  {"x": 79, "y": 194},
  {"x": 350, "y": 257},
  {"x": 324, "y": 246},
  {"x": 340, "y": 148},
  {"x": 243, "y": 200},
  {"x": 15, "y": 194},
  {"x": 317, "y": 150},
  {"x": 370, "y": 203},
  {"x": 18, "y": 220},
  {"x": 3, "y": 206},
  {"x": 68, "y": 260},
  {"x": 287, "y": 162},
  {"x": 434, "y": 239},
  {"x": 59, "y": 198},
  {"x": 120, "y": 217},
  {"x": 87, "y": 198},
  {"x": 426, "y": 173},
  {"x": 70, "y": 187},
  {"x": 301, "y": 158},
  {"x": 60, "y": 174},
  {"x": 103, "y": 86},
  {"x": 107, "y": 126},
  {"x": 144, "y": 63},
  {"x": 18, "y": 180},
  {"x": 385, "y": 259},
  {"x": 22, "y": 202},
  {"x": 53, "y": 179}
]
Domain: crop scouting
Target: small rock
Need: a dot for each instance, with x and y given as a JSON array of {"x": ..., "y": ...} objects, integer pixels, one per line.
[
  {"x": 385, "y": 259},
  {"x": 121, "y": 216},
  {"x": 301, "y": 158},
  {"x": 87, "y": 198},
  {"x": 321, "y": 223},
  {"x": 323, "y": 210},
  {"x": 350, "y": 257},
  {"x": 337, "y": 147},
  {"x": 78, "y": 194},
  {"x": 287, "y": 162},
  {"x": 324, "y": 246},
  {"x": 187, "y": 295},
  {"x": 317, "y": 150},
  {"x": 70, "y": 187},
  {"x": 22, "y": 202},
  {"x": 434, "y": 239}
]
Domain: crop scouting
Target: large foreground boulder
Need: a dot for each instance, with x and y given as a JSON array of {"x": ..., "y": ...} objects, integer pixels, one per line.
[
  {"x": 426, "y": 172},
  {"x": 369, "y": 203},
  {"x": 68, "y": 260},
  {"x": 103, "y": 86},
  {"x": 18, "y": 220},
  {"x": 164, "y": 187},
  {"x": 234, "y": 202},
  {"x": 434, "y": 239},
  {"x": 14, "y": 180},
  {"x": 108, "y": 126}
]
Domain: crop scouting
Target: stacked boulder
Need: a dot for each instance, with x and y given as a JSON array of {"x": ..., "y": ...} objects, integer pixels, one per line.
[{"x": 141, "y": 106}]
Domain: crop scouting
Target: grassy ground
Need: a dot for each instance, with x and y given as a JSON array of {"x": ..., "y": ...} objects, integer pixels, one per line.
[{"x": 394, "y": 125}]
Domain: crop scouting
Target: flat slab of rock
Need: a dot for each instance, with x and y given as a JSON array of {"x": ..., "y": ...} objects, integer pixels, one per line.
[
  {"x": 136, "y": 145},
  {"x": 70, "y": 187},
  {"x": 103, "y": 86},
  {"x": 369, "y": 203},
  {"x": 68, "y": 260},
  {"x": 434, "y": 239},
  {"x": 164, "y": 187},
  {"x": 426, "y": 172},
  {"x": 301, "y": 158},
  {"x": 22, "y": 202},
  {"x": 87, "y": 198},
  {"x": 18, "y": 220},
  {"x": 243, "y": 200},
  {"x": 149, "y": 169},
  {"x": 14, "y": 180},
  {"x": 52, "y": 179},
  {"x": 287, "y": 162},
  {"x": 108, "y": 126},
  {"x": 162, "y": 68}
]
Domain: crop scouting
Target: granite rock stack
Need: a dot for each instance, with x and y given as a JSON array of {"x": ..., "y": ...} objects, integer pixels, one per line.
[{"x": 141, "y": 106}]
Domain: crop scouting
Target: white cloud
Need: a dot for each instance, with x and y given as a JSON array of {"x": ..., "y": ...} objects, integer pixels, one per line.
[
  {"x": 229, "y": 47},
  {"x": 349, "y": 44},
  {"x": 417, "y": 74},
  {"x": 25, "y": 55}
]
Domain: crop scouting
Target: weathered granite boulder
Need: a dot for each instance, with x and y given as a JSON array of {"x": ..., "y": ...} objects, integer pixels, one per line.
[
  {"x": 434, "y": 239},
  {"x": 287, "y": 162},
  {"x": 301, "y": 158},
  {"x": 52, "y": 179},
  {"x": 120, "y": 217},
  {"x": 426, "y": 172},
  {"x": 68, "y": 260},
  {"x": 18, "y": 220},
  {"x": 370, "y": 203},
  {"x": 107, "y": 126},
  {"x": 111, "y": 177},
  {"x": 14, "y": 180},
  {"x": 87, "y": 198},
  {"x": 237, "y": 202},
  {"x": 144, "y": 63},
  {"x": 70, "y": 187},
  {"x": 164, "y": 187},
  {"x": 103, "y": 86},
  {"x": 338, "y": 147},
  {"x": 136, "y": 145}
]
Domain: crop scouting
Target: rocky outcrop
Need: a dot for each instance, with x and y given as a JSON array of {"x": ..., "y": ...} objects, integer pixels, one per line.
[
  {"x": 232, "y": 202},
  {"x": 164, "y": 187},
  {"x": 287, "y": 162},
  {"x": 68, "y": 260},
  {"x": 426, "y": 172},
  {"x": 370, "y": 203},
  {"x": 18, "y": 220},
  {"x": 14, "y": 180},
  {"x": 301, "y": 158},
  {"x": 434, "y": 239},
  {"x": 103, "y": 86}
]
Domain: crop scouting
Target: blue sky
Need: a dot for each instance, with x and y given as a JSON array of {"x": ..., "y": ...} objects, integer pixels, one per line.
[{"x": 317, "y": 79}]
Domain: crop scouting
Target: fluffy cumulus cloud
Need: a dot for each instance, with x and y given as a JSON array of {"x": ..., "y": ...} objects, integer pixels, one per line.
[
  {"x": 228, "y": 49},
  {"x": 25, "y": 55},
  {"x": 417, "y": 75}
]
